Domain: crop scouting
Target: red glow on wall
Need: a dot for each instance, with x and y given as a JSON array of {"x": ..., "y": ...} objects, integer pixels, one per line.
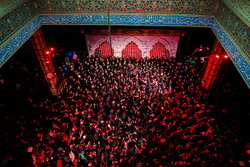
[
  {"x": 211, "y": 71},
  {"x": 132, "y": 50},
  {"x": 47, "y": 52},
  {"x": 248, "y": 151},
  {"x": 104, "y": 50},
  {"x": 159, "y": 51}
]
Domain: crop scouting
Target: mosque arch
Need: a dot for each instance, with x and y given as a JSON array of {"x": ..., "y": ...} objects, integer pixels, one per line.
[
  {"x": 138, "y": 42},
  {"x": 104, "y": 50},
  {"x": 159, "y": 51},
  {"x": 132, "y": 50},
  {"x": 164, "y": 43}
]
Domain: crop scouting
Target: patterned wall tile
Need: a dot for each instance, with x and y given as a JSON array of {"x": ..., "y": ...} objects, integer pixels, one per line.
[
  {"x": 13, "y": 45},
  {"x": 8, "y": 5},
  {"x": 239, "y": 60},
  {"x": 241, "y": 8},
  {"x": 116, "y": 19},
  {"x": 235, "y": 26},
  {"x": 11, "y": 22},
  {"x": 155, "y": 6}
]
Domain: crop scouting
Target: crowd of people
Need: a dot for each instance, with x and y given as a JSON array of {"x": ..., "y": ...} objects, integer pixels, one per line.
[{"x": 129, "y": 112}]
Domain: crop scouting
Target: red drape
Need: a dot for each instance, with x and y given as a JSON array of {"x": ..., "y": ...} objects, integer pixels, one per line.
[
  {"x": 104, "y": 50},
  {"x": 132, "y": 50},
  {"x": 159, "y": 51}
]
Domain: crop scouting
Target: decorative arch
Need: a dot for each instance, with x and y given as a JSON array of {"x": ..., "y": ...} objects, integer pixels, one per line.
[
  {"x": 132, "y": 50},
  {"x": 159, "y": 51},
  {"x": 98, "y": 42},
  {"x": 165, "y": 43},
  {"x": 104, "y": 50},
  {"x": 138, "y": 42}
]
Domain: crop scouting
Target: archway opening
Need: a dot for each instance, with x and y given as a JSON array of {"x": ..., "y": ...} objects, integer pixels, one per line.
[
  {"x": 104, "y": 50},
  {"x": 159, "y": 51},
  {"x": 131, "y": 51}
]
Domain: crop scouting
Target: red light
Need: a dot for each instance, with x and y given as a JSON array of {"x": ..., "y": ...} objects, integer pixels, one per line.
[
  {"x": 47, "y": 62},
  {"x": 47, "y": 52},
  {"x": 226, "y": 56},
  {"x": 248, "y": 151},
  {"x": 52, "y": 49},
  {"x": 217, "y": 56}
]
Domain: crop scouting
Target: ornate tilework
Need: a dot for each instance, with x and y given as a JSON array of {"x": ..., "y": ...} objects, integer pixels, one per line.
[
  {"x": 240, "y": 61},
  {"x": 127, "y": 20},
  {"x": 235, "y": 26},
  {"x": 12, "y": 21},
  {"x": 241, "y": 8},
  {"x": 13, "y": 45},
  {"x": 7, "y": 5},
  {"x": 155, "y": 6}
]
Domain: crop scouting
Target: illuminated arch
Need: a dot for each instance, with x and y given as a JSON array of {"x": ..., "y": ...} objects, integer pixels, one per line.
[
  {"x": 159, "y": 51},
  {"x": 104, "y": 50},
  {"x": 164, "y": 43},
  {"x": 138, "y": 42},
  {"x": 132, "y": 50},
  {"x": 100, "y": 41}
]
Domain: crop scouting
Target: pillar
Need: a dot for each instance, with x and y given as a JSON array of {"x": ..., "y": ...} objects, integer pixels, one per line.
[
  {"x": 215, "y": 59},
  {"x": 45, "y": 56}
]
